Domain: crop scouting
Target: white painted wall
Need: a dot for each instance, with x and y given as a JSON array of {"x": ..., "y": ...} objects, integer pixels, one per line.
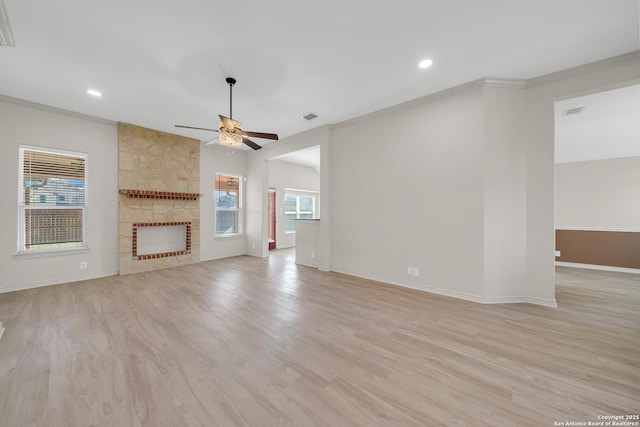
[
  {"x": 599, "y": 194},
  {"x": 307, "y": 243},
  {"x": 408, "y": 192},
  {"x": 216, "y": 159},
  {"x": 504, "y": 194},
  {"x": 283, "y": 175},
  {"x": 22, "y": 123}
]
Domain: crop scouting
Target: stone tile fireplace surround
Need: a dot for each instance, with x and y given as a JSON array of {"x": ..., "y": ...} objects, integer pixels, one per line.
[{"x": 159, "y": 181}]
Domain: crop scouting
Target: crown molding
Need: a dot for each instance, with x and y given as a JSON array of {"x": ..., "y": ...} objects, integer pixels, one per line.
[
  {"x": 505, "y": 83},
  {"x": 56, "y": 110},
  {"x": 627, "y": 58},
  {"x": 410, "y": 104},
  {"x": 485, "y": 82}
]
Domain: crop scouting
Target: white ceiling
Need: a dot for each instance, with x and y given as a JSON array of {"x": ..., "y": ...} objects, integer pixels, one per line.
[
  {"x": 607, "y": 127},
  {"x": 307, "y": 157},
  {"x": 160, "y": 63}
]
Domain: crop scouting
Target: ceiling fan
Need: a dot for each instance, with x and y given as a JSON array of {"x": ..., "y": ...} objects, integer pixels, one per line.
[{"x": 231, "y": 133}]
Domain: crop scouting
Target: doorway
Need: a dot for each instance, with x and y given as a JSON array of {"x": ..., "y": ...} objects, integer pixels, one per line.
[
  {"x": 597, "y": 180},
  {"x": 272, "y": 218},
  {"x": 291, "y": 175}
]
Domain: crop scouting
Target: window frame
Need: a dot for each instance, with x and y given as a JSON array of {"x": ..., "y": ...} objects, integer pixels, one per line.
[
  {"x": 298, "y": 194},
  {"x": 22, "y": 250},
  {"x": 239, "y": 208}
]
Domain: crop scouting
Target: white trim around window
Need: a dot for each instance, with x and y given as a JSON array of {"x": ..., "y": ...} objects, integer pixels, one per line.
[
  {"x": 52, "y": 202},
  {"x": 228, "y": 195}
]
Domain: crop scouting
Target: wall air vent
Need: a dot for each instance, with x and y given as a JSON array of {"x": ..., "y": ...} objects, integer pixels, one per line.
[
  {"x": 6, "y": 36},
  {"x": 309, "y": 116},
  {"x": 571, "y": 111}
]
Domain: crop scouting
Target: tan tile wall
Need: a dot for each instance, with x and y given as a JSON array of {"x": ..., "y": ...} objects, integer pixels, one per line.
[{"x": 160, "y": 162}]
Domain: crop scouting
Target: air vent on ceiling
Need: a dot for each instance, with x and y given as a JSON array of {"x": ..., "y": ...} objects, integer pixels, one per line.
[
  {"x": 6, "y": 36},
  {"x": 309, "y": 116},
  {"x": 571, "y": 111}
]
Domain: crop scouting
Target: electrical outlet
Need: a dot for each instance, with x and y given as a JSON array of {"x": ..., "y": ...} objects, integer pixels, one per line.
[
  {"x": 557, "y": 253},
  {"x": 83, "y": 265},
  {"x": 313, "y": 254},
  {"x": 409, "y": 271},
  {"x": 416, "y": 272}
]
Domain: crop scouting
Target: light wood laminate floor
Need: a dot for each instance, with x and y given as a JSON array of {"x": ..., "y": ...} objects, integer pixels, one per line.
[{"x": 260, "y": 342}]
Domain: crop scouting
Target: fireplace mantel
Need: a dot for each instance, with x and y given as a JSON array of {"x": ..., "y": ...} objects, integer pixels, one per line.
[{"x": 150, "y": 194}]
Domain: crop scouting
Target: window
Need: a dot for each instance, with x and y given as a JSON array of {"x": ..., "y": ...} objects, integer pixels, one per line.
[
  {"x": 52, "y": 199},
  {"x": 298, "y": 205},
  {"x": 228, "y": 205}
]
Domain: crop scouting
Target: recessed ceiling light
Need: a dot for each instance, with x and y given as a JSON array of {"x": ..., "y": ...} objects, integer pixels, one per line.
[
  {"x": 425, "y": 63},
  {"x": 94, "y": 92}
]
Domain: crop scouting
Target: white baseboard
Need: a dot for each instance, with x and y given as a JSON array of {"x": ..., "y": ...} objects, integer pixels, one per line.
[
  {"x": 307, "y": 264},
  {"x": 455, "y": 294},
  {"x": 69, "y": 279},
  {"x": 505, "y": 300},
  {"x": 551, "y": 303},
  {"x": 419, "y": 287},
  {"x": 598, "y": 267},
  {"x": 521, "y": 300}
]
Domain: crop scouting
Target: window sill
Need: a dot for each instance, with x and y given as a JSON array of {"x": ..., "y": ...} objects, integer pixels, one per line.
[
  {"x": 289, "y": 232},
  {"x": 51, "y": 253},
  {"x": 228, "y": 236}
]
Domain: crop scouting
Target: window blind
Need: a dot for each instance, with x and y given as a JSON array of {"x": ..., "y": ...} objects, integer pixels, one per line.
[{"x": 52, "y": 199}]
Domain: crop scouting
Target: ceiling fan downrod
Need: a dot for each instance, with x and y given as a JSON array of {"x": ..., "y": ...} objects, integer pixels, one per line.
[{"x": 231, "y": 82}]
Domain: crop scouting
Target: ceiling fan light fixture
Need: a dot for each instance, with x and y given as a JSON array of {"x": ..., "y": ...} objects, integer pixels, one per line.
[
  {"x": 230, "y": 139},
  {"x": 231, "y": 125},
  {"x": 231, "y": 133}
]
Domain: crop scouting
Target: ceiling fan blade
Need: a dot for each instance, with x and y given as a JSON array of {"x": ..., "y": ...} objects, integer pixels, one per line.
[
  {"x": 250, "y": 143},
  {"x": 261, "y": 135},
  {"x": 192, "y": 127}
]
